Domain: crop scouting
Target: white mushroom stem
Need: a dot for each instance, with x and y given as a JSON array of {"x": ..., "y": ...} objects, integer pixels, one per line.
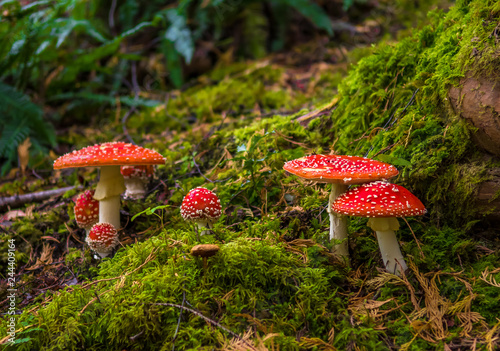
[
  {"x": 202, "y": 225},
  {"x": 109, "y": 211},
  {"x": 108, "y": 192},
  {"x": 385, "y": 228},
  {"x": 101, "y": 254},
  {"x": 338, "y": 222},
  {"x": 87, "y": 231},
  {"x": 135, "y": 188}
]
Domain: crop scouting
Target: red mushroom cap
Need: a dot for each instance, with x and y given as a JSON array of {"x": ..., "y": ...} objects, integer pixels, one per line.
[
  {"x": 201, "y": 204},
  {"x": 102, "y": 238},
  {"x": 340, "y": 169},
  {"x": 86, "y": 209},
  {"x": 109, "y": 154},
  {"x": 379, "y": 199},
  {"x": 141, "y": 172}
]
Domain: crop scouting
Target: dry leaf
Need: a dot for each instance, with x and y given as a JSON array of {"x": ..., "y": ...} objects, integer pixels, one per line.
[
  {"x": 23, "y": 154},
  {"x": 44, "y": 259}
]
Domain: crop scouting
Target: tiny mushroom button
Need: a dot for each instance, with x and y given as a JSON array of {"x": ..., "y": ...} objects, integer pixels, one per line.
[
  {"x": 135, "y": 179},
  {"x": 382, "y": 202},
  {"x": 205, "y": 251},
  {"x": 86, "y": 210},
  {"x": 340, "y": 171},
  {"x": 102, "y": 239},
  {"x": 109, "y": 157},
  {"x": 202, "y": 207}
]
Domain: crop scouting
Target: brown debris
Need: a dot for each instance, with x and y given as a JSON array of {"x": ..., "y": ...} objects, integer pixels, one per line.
[{"x": 205, "y": 250}]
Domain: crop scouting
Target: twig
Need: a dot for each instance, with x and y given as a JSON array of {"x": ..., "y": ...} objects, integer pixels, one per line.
[
  {"x": 414, "y": 237},
  {"x": 111, "y": 16},
  {"x": 135, "y": 84},
  {"x": 148, "y": 259},
  {"x": 36, "y": 174},
  {"x": 390, "y": 122},
  {"x": 206, "y": 319},
  {"x": 124, "y": 124},
  {"x": 404, "y": 109},
  {"x": 133, "y": 338},
  {"x": 136, "y": 89},
  {"x": 18, "y": 200},
  {"x": 199, "y": 170},
  {"x": 93, "y": 300},
  {"x": 180, "y": 314},
  {"x": 318, "y": 112}
]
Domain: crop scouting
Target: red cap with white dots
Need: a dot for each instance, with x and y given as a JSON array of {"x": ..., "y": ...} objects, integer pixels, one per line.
[
  {"x": 141, "y": 172},
  {"x": 86, "y": 209},
  {"x": 109, "y": 154},
  {"x": 102, "y": 238},
  {"x": 379, "y": 199},
  {"x": 340, "y": 169},
  {"x": 201, "y": 204}
]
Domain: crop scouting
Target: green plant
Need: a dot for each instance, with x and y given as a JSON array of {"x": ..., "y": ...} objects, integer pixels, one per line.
[{"x": 21, "y": 119}]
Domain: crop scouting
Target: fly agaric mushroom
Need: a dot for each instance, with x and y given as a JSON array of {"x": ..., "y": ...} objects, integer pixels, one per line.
[
  {"x": 205, "y": 251},
  {"x": 340, "y": 171},
  {"x": 382, "y": 202},
  {"x": 102, "y": 239},
  {"x": 109, "y": 156},
  {"x": 202, "y": 207},
  {"x": 86, "y": 210},
  {"x": 135, "y": 179}
]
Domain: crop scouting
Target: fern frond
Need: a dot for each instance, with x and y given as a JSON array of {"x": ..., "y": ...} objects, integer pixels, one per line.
[{"x": 21, "y": 118}]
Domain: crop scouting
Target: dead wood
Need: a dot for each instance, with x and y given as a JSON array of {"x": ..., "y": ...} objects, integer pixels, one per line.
[{"x": 19, "y": 200}]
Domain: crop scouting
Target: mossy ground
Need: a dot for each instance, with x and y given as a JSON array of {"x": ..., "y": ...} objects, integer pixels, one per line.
[{"x": 275, "y": 282}]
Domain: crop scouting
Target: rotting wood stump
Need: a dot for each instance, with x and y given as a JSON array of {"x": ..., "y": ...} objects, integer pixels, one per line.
[
  {"x": 486, "y": 198},
  {"x": 477, "y": 100}
]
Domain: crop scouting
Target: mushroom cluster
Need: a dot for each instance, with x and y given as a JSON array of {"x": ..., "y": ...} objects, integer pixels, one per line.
[
  {"x": 375, "y": 198},
  {"x": 109, "y": 157},
  {"x": 340, "y": 171},
  {"x": 103, "y": 236}
]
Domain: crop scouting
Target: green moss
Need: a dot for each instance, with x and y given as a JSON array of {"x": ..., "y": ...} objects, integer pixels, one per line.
[{"x": 246, "y": 276}]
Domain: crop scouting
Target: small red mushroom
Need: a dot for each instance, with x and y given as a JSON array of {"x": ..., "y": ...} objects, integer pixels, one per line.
[
  {"x": 382, "y": 202},
  {"x": 340, "y": 171},
  {"x": 109, "y": 157},
  {"x": 102, "y": 239},
  {"x": 135, "y": 179},
  {"x": 86, "y": 210},
  {"x": 202, "y": 207}
]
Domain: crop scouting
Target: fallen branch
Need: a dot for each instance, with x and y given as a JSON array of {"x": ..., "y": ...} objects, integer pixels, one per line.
[
  {"x": 304, "y": 119},
  {"x": 18, "y": 200}
]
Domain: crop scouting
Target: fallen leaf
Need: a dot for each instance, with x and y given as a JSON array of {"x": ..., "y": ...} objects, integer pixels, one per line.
[{"x": 23, "y": 154}]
